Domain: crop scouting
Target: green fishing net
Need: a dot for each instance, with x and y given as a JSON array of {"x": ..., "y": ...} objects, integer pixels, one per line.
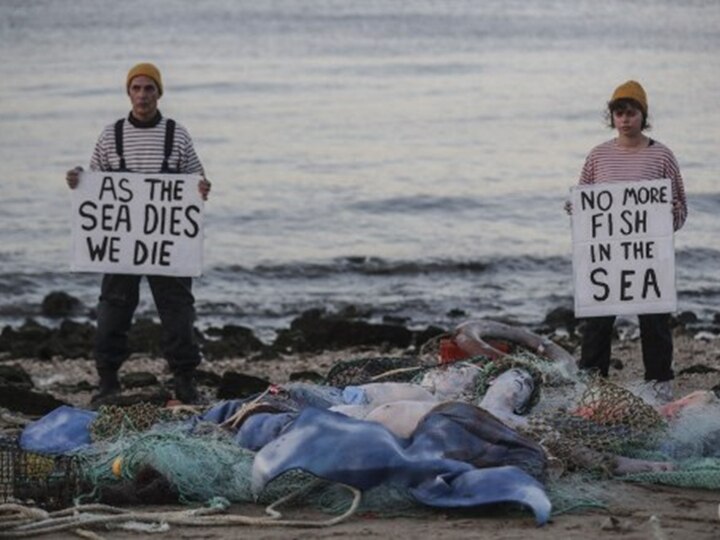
[{"x": 206, "y": 462}]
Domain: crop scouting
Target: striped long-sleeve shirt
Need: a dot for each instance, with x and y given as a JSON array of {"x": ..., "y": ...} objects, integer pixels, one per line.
[
  {"x": 610, "y": 162},
  {"x": 144, "y": 149}
]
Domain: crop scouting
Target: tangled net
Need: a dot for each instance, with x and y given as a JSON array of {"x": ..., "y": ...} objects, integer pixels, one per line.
[
  {"x": 205, "y": 462},
  {"x": 113, "y": 420},
  {"x": 374, "y": 369},
  {"x": 199, "y": 465}
]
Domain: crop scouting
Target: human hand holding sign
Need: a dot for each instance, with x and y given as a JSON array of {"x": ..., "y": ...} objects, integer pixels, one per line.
[
  {"x": 204, "y": 186},
  {"x": 72, "y": 177}
]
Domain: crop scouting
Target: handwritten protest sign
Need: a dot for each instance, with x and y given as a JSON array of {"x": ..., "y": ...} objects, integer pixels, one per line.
[
  {"x": 623, "y": 251},
  {"x": 127, "y": 223}
]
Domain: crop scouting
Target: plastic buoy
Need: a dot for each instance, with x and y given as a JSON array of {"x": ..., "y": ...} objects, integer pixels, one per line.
[{"x": 117, "y": 466}]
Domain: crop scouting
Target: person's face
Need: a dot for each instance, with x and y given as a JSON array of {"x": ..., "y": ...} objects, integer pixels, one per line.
[
  {"x": 514, "y": 386},
  {"x": 628, "y": 121},
  {"x": 144, "y": 95}
]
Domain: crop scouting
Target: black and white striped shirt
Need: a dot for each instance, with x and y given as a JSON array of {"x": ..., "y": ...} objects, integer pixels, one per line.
[{"x": 144, "y": 149}]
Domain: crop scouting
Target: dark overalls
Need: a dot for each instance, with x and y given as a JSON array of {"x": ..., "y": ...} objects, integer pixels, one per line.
[
  {"x": 656, "y": 338},
  {"x": 119, "y": 297}
]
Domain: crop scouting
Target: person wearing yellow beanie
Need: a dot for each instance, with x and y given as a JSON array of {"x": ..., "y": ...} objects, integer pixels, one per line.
[
  {"x": 147, "y": 69},
  {"x": 145, "y": 142},
  {"x": 633, "y": 156},
  {"x": 631, "y": 91}
]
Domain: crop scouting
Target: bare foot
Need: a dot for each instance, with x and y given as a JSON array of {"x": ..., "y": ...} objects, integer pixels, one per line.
[{"x": 625, "y": 465}]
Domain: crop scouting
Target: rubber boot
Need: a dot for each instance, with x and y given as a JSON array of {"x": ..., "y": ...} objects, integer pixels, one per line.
[
  {"x": 109, "y": 385},
  {"x": 186, "y": 389}
]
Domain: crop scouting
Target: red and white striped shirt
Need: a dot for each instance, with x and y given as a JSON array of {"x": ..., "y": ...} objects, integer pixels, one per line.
[{"x": 610, "y": 162}]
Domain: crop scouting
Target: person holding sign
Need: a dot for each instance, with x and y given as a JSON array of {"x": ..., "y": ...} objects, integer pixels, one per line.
[
  {"x": 146, "y": 142},
  {"x": 633, "y": 156}
]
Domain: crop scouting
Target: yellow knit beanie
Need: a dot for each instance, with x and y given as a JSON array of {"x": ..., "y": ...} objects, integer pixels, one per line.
[
  {"x": 631, "y": 90},
  {"x": 147, "y": 69}
]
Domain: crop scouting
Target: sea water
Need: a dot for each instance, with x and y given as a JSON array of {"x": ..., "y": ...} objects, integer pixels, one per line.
[{"x": 409, "y": 158}]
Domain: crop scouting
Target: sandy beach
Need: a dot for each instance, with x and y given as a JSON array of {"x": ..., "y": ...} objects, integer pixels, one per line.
[
  {"x": 381, "y": 172},
  {"x": 629, "y": 511}
]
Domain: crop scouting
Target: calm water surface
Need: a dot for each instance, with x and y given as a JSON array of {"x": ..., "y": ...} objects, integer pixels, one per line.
[{"x": 407, "y": 157}]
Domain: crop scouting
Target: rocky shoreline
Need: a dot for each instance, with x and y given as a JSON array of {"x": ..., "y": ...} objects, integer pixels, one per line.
[
  {"x": 32, "y": 385},
  {"x": 42, "y": 367}
]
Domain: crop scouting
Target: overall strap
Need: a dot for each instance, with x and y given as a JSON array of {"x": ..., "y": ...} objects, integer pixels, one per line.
[
  {"x": 119, "y": 143},
  {"x": 169, "y": 140}
]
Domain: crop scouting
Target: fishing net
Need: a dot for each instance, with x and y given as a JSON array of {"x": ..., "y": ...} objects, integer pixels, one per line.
[
  {"x": 578, "y": 491},
  {"x": 691, "y": 443},
  {"x": 374, "y": 369},
  {"x": 112, "y": 420},
  {"x": 48, "y": 482},
  {"x": 694, "y": 432},
  {"x": 199, "y": 465},
  {"x": 703, "y": 473},
  {"x": 607, "y": 418},
  {"x": 591, "y": 412},
  {"x": 203, "y": 462},
  {"x": 207, "y": 463}
]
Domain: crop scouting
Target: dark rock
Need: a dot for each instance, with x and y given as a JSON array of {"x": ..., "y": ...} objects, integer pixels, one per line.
[
  {"x": 27, "y": 401},
  {"x": 716, "y": 318},
  {"x": 309, "y": 315},
  {"x": 73, "y": 340},
  {"x": 698, "y": 368},
  {"x": 686, "y": 317},
  {"x": 207, "y": 378},
  {"x": 314, "y": 330},
  {"x": 394, "y": 319},
  {"x": 290, "y": 340},
  {"x": 15, "y": 376},
  {"x": 231, "y": 341},
  {"x": 267, "y": 353},
  {"x": 139, "y": 379},
  {"x": 76, "y": 340},
  {"x": 561, "y": 318},
  {"x": 80, "y": 386},
  {"x": 33, "y": 330},
  {"x": 155, "y": 396},
  {"x": 616, "y": 363},
  {"x": 307, "y": 376},
  {"x": 33, "y": 340},
  {"x": 26, "y": 341},
  {"x": 456, "y": 313},
  {"x": 238, "y": 385},
  {"x": 59, "y": 304},
  {"x": 353, "y": 312}
]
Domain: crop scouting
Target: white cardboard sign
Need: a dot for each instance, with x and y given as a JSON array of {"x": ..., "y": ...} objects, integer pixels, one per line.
[
  {"x": 129, "y": 223},
  {"x": 623, "y": 248}
]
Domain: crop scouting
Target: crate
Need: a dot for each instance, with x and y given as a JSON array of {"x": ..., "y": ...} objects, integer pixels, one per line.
[{"x": 48, "y": 482}]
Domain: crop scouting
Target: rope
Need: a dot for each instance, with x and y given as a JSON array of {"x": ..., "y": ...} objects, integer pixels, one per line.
[
  {"x": 243, "y": 411},
  {"x": 397, "y": 371},
  {"x": 16, "y": 514},
  {"x": 32, "y": 522}
]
